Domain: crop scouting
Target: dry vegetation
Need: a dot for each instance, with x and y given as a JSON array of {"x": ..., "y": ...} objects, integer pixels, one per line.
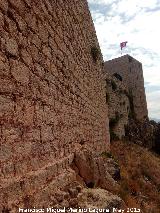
[{"x": 140, "y": 176}]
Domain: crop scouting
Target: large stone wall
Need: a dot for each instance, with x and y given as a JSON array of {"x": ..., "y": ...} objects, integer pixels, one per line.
[
  {"x": 52, "y": 97},
  {"x": 132, "y": 76}
]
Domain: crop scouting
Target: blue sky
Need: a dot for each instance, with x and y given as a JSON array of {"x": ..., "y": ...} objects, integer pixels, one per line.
[{"x": 135, "y": 21}]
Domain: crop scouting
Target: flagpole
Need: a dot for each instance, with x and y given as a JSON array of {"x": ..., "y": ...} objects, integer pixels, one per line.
[{"x": 121, "y": 51}]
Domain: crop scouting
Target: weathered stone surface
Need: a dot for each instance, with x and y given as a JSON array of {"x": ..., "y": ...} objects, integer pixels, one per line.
[
  {"x": 4, "y": 66},
  {"x": 85, "y": 164},
  {"x": 5, "y": 152},
  {"x": 52, "y": 98},
  {"x": 118, "y": 106},
  {"x": 19, "y": 5},
  {"x": 6, "y": 105},
  {"x": 7, "y": 86},
  {"x": 20, "y": 72},
  {"x": 12, "y": 46},
  {"x": 125, "y": 94},
  {"x": 131, "y": 74},
  {"x": 113, "y": 168},
  {"x": 4, "y": 5},
  {"x": 97, "y": 171},
  {"x": 26, "y": 57},
  {"x": 156, "y": 144}
]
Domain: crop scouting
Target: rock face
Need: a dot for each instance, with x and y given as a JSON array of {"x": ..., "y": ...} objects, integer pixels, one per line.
[
  {"x": 52, "y": 97},
  {"x": 142, "y": 133},
  {"x": 118, "y": 106},
  {"x": 156, "y": 144},
  {"x": 97, "y": 170},
  {"x": 157, "y": 138}
]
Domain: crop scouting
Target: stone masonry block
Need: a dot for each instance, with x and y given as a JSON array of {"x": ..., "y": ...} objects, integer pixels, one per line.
[
  {"x": 6, "y": 105},
  {"x": 4, "y": 5},
  {"x": 12, "y": 46},
  {"x": 20, "y": 72}
]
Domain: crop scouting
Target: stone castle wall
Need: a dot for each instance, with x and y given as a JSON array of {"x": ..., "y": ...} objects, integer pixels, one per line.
[
  {"x": 52, "y": 97},
  {"x": 132, "y": 76}
]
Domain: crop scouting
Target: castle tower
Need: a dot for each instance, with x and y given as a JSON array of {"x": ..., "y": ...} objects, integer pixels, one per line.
[{"x": 128, "y": 70}]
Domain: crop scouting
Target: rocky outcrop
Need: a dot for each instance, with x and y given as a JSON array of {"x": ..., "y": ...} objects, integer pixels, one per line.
[
  {"x": 97, "y": 170},
  {"x": 99, "y": 199},
  {"x": 118, "y": 106},
  {"x": 142, "y": 133},
  {"x": 156, "y": 145}
]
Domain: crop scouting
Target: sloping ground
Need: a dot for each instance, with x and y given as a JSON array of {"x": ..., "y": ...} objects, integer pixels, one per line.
[
  {"x": 99, "y": 199},
  {"x": 140, "y": 176}
]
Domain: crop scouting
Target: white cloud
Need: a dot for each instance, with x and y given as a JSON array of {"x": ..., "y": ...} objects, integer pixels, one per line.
[
  {"x": 153, "y": 104},
  {"x": 131, "y": 8},
  {"x": 136, "y": 22}
]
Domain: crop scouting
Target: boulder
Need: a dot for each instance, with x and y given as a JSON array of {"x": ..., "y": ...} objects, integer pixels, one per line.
[{"x": 97, "y": 171}]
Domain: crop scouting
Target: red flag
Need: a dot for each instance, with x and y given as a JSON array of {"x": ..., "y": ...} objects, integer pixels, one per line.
[{"x": 123, "y": 44}]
